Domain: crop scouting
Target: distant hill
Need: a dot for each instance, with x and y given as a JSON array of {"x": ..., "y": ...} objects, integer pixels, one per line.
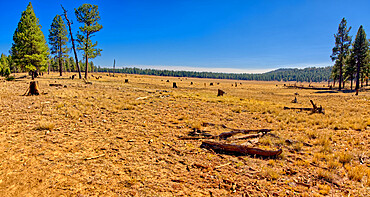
[{"x": 312, "y": 74}]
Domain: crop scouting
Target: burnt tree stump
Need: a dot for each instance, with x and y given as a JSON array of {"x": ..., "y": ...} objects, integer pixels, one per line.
[
  {"x": 174, "y": 85},
  {"x": 33, "y": 89},
  {"x": 126, "y": 80},
  {"x": 220, "y": 92}
]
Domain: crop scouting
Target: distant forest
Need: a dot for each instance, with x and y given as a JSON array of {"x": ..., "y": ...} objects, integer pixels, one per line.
[{"x": 312, "y": 74}]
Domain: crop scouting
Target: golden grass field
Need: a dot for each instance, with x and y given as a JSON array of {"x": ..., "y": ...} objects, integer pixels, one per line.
[{"x": 111, "y": 138}]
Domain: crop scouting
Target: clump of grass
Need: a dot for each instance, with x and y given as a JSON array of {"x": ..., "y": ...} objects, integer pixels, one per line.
[
  {"x": 344, "y": 157},
  {"x": 324, "y": 189},
  {"x": 196, "y": 125},
  {"x": 237, "y": 110},
  {"x": 355, "y": 173},
  {"x": 325, "y": 175},
  {"x": 312, "y": 134},
  {"x": 266, "y": 140},
  {"x": 333, "y": 164},
  {"x": 270, "y": 174},
  {"x": 44, "y": 125},
  {"x": 297, "y": 146}
]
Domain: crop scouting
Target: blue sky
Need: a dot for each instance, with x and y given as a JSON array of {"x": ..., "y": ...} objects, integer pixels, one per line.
[{"x": 213, "y": 35}]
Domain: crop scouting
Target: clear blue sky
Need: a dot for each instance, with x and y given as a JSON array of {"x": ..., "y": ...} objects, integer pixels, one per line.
[{"x": 226, "y": 35}]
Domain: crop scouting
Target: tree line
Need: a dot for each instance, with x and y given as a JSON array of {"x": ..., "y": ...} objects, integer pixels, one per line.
[
  {"x": 30, "y": 52},
  {"x": 352, "y": 60},
  {"x": 288, "y": 74}
]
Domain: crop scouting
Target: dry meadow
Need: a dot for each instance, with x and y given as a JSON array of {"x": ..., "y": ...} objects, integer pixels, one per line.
[{"x": 112, "y": 138}]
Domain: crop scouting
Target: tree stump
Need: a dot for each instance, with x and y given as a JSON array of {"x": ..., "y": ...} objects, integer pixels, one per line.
[
  {"x": 174, "y": 85},
  {"x": 126, "y": 80},
  {"x": 210, "y": 84},
  {"x": 33, "y": 89},
  {"x": 191, "y": 83},
  {"x": 220, "y": 92}
]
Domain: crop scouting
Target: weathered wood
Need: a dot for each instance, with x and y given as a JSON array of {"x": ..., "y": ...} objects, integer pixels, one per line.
[
  {"x": 33, "y": 89},
  {"x": 238, "y": 149},
  {"x": 55, "y": 84}
]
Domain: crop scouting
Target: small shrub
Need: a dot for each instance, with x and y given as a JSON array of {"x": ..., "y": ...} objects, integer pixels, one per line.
[
  {"x": 333, "y": 164},
  {"x": 297, "y": 146},
  {"x": 270, "y": 174},
  {"x": 43, "y": 125},
  {"x": 344, "y": 157},
  {"x": 10, "y": 78},
  {"x": 325, "y": 175},
  {"x": 324, "y": 189},
  {"x": 355, "y": 173}
]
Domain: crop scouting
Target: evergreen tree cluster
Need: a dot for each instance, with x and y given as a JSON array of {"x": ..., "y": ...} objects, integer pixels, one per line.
[
  {"x": 286, "y": 74},
  {"x": 30, "y": 52},
  {"x": 352, "y": 60}
]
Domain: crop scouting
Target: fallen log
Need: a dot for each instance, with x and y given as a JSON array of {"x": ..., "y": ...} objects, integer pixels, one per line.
[
  {"x": 238, "y": 149},
  {"x": 55, "y": 84},
  {"x": 314, "y": 108}
]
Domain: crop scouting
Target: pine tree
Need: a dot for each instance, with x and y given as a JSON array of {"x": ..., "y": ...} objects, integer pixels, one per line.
[
  {"x": 29, "y": 50},
  {"x": 89, "y": 15},
  {"x": 360, "y": 49},
  {"x": 341, "y": 48},
  {"x": 350, "y": 68},
  {"x": 58, "y": 39}
]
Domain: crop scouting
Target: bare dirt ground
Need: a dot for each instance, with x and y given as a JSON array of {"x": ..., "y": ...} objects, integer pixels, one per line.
[{"x": 111, "y": 138}]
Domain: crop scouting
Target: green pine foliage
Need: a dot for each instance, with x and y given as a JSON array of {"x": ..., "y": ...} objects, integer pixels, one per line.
[
  {"x": 58, "y": 39},
  {"x": 88, "y": 15},
  {"x": 360, "y": 52},
  {"x": 341, "y": 49},
  {"x": 285, "y": 74},
  {"x": 29, "y": 50}
]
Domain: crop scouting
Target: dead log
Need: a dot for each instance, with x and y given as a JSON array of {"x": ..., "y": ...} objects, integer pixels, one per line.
[
  {"x": 220, "y": 92},
  {"x": 55, "y": 84},
  {"x": 314, "y": 108},
  {"x": 239, "y": 149},
  {"x": 33, "y": 89},
  {"x": 87, "y": 82}
]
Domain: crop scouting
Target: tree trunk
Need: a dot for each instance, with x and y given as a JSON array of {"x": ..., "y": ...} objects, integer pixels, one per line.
[
  {"x": 352, "y": 83},
  {"x": 340, "y": 77},
  {"x": 86, "y": 56},
  {"x": 60, "y": 60},
  {"x": 73, "y": 43},
  {"x": 344, "y": 82},
  {"x": 358, "y": 78},
  {"x": 33, "y": 75}
]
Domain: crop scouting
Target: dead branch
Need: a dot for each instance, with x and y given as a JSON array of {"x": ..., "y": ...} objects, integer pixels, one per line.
[
  {"x": 314, "y": 108},
  {"x": 94, "y": 157},
  {"x": 55, "y": 84},
  {"x": 238, "y": 149}
]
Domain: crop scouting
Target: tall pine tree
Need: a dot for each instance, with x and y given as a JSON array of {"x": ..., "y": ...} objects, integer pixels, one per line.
[
  {"x": 58, "y": 39},
  {"x": 360, "y": 48},
  {"x": 89, "y": 15},
  {"x": 341, "y": 48},
  {"x": 29, "y": 50}
]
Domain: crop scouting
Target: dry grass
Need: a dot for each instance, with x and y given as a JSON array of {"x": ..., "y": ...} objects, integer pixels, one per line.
[{"x": 121, "y": 139}]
